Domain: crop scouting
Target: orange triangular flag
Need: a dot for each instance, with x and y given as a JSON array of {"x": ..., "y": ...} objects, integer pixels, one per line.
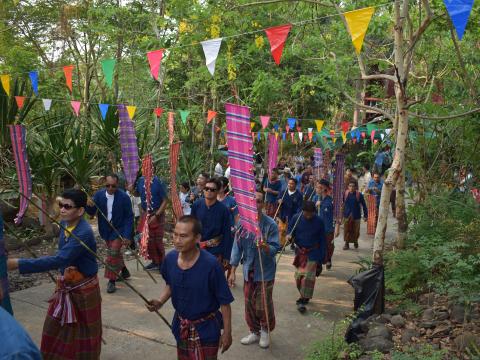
[
  {"x": 67, "y": 70},
  {"x": 20, "y": 100},
  {"x": 211, "y": 114}
]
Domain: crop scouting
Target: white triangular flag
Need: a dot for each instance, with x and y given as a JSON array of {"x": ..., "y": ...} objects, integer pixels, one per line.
[
  {"x": 211, "y": 49},
  {"x": 388, "y": 131},
  {"x": 47, "y": 103},
  {"x": 382, "y": 136},
  {"x": 300, "y": 135}
]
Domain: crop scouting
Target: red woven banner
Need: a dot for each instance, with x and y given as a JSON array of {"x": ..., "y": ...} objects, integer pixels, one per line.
[
  {"x": 372, "y": 214},
  {"x": 176, "y": 204}
]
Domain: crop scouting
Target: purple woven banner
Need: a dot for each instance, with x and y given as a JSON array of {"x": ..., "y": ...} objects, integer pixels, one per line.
[
  {"x": 17, "y": 135},
  {"x": 338, "y": 186},
  {"x": 272, "y": 152},
  {"x": 128, "y": 145},
  {"x": 240, "y": 158},
  {"x": 318, "y": 163}
]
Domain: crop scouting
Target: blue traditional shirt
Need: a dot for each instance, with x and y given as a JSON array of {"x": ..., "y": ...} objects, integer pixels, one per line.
[
  {"x": 309, "y": 234},
  {"x": 308, "y": 192},
  {"x": 231, "y": 204},
  {"x": 325, "y": 212},
  {"x": 372, "y": 185},
  {"x": 215, "y": 222},
  {"x": 5, "y": 302},
  {"x": 70, "y": 253},
  {"x": 16, "y": 343},
  {"x": 122, "y": 215},
  {"x": 159, "y": 192},
  {"x": 351, "y": 206},
  {"x": 291, "y": 205},
  {"x": 246, "y": 248},
  {"x": 275, "y": 186},
  {"x": 196, "y": 293}
]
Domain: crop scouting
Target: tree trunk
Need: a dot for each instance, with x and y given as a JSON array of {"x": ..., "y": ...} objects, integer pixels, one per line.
[
  {"x": 48, "y": 223},
  {"x": 401, "y": 211}
]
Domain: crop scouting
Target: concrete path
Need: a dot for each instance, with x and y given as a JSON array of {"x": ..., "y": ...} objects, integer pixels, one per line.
[{"x": 131, "y": 332}]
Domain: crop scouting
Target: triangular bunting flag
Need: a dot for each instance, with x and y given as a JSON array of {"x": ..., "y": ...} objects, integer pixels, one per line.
[
  {"x": 300, "y": 136},
  {"x": 184, "y": 115},
  {"x": 292, "y": 136},
  {"x": 310, "y": 136},
  {"x": 357, "y": 22},
  {"x": 103, "y": 110},
  {"x": 382, "y": 136},
  {"x": 108, "y": 67},
  {"x": 276, "y": 127},
  {"x": 20, "y": 101},
  {"x": 358, "y": 135},
  {"x": 319, "y": 124},
  {"x": 253, "y": 136},
  {"x": 131, "y": 111},
  {"x": 283, "y": 136},
  {"x": 259, "y": 135},
  {"x": 210, "y": 49},
  {"x": 277, "y": 36},
  {"x": 459, "y": 12},
  {"x": 375, "y": 141},
  {"x": 345, "y": 125},
  {"x": 292, "y": 122},
  {"x": 265, "y": 134},
  {"x": 210, "y": 115},
  {"x": 364, "y": 141},
  {"x": 372, "y": 135},
  {"x": 67, "y": 70},
  {"x": 47, "y": 104},
  {"x": 264, "y": 120},
  {"x": 5, "y": 79},
  {"x": 344, "y": 137},
  {"x": 252, "y": 125},
  {"x": 371, "y": 127},
  {"x": 34, "y": 80},
  {"x": 158, "y": 111},
  {"x": 299, "y": 129},
  {"x": 332, "y": 133},
  {"x": 388, "y": 131},
  {"x": 287, "y": 127},
  {"x": 363, "y": 134},
  {"x": 155, "y": 60},
  {"x": 76, "y": 106}
]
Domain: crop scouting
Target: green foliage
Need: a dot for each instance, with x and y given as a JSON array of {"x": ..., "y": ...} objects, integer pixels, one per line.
[
  {"x": 424, "y": 352},
  {"x": 442, "y": 252}
]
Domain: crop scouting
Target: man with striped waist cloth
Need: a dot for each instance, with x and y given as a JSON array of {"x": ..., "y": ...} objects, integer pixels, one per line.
[
  {"x": 309, "y": 238},
  {"x": 215, "y": 220},
  {"x": 115, "y": 225},
  {"x": 73, "y": 326}
]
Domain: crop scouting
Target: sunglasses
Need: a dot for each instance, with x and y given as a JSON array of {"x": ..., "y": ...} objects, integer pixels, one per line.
[
  {"x": 210, "y": 189},
  {"x": 111, "y": 186},
  {"x": 66, "y": 206}
]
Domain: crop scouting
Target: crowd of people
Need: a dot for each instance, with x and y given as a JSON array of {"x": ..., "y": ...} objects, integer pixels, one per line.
[{"x": 295, "y": 207}]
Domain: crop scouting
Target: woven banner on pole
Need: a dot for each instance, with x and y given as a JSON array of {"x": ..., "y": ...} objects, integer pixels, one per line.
[
  {"x": 128, "y": 145},
  {"x": 338, "y": 186}
]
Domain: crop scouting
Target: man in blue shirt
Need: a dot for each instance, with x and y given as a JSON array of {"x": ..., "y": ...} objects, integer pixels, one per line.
[
  {"x": 260, "y": 320},
  {"x": 200, "y": 295},
  {"x": 309, "y": 238},
  {"x": 375, "y": 187},
  {"x": 153, "y": 216},
  {"x": 16, "y": 343},
  {"x": 74, "y": 323},
  {"x": 115, "y": 225},
  {"x": 272, "y": 190},
  {"x": 353, "y": 202},
  {"x": 324, "y": 203},
  {"x": 215, "y": 219}
]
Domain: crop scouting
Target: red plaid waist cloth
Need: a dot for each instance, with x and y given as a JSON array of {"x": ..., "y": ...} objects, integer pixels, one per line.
[{"x": 301, "y": 256}]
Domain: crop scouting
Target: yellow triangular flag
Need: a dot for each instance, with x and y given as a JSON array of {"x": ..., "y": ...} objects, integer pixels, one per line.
[
  {"x": 334, "y": 139},
  {"x": 357, "y": 22},
  {"x": 131, "y": 111},
  {"x": 344, "y": 137},
  {"x": 319, "y": 124},
  {"x": 252, "y": 125},
  {"x": 6, "y": 83}
]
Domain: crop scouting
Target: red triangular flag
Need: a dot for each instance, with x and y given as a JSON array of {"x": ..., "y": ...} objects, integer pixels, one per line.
[
  {"x": 299, "y": 128},
  {"x": 20, "y": 100},
  {"x": 155, "y": 60},
  {"x": 277, "y": 36},
  {"x": 211, "y": 114},
  {"x": 310, "y": 136},
  {"x": 345, "y": 126},
  {"x": 67, "y": 70},
  {"x": 158, "y": 111}
]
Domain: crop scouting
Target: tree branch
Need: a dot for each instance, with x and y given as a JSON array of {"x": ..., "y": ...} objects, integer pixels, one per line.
[
  {"x": 420, "y": 116},
  {"x": 379, "y": 77},
  {"x": 372, "y": 108},
  {"x": 267, "y": 2}
]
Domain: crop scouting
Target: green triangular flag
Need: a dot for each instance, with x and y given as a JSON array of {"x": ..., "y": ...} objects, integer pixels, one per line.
[
  {"x": 108, "y": 66},
  {"x": 265, "y": 133},
  {"x": 184, "y": 115},
  {"x": 364, "y": 141},
  {"x": 371, "y": 127}
]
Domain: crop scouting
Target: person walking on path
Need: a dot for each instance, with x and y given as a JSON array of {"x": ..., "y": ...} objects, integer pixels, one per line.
[
  {"x": 200, "y": 295},
  {"x": 272, "y": 189},
  {"x": 73, "y": 325},
  {"x": 324, "y": 203},
  {"x": 216, "y": 227},
  {"x": 289, "y": 207},
  {"x": 154, "y": 218},
  {"x": 115, "y": 229},
  {"x": 309, "y": 238},
  {"x": 4, "y": 297},
  {"x": 353, "y": 201},
  {"x": 257, "y": 287}
]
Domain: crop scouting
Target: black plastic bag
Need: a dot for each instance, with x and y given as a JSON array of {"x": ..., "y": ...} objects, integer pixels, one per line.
[{"x": 369, "y": 299}]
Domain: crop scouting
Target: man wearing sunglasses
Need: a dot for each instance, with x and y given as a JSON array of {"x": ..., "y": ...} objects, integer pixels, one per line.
[
  {"x": 113, "y": 209},
  {"x": 74, "y": 322},
  {"x": 215, "y": 220}
]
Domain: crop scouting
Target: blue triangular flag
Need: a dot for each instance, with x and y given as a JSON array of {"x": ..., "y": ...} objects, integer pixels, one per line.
[
  {"x": 291, "y": 123},
  {"x": 34, "y": 80},
  {"x": 358, "y": 135},
  {"x": 275, "y": 126},
  {"x": 103, "y": 110},
  {"x": 258, "y": 136},
  {"x": 283, "y": 136},
  {"x": 459, "y": 11}
]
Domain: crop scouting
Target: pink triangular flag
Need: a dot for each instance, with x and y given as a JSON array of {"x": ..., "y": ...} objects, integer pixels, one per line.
[
  {"x": 76, "y": 106},
  {"x": 158, "y": 111},
  {"x": 372, "y": 135},
  {"x": 264, "y": 120},
  {"x": 211, "y": 114},
  {"x": 20, "y": 100},
  {"x": 287, "y": 127},
  {"x": 155, "y": 60},
  {"x": 277, "y": 36}
]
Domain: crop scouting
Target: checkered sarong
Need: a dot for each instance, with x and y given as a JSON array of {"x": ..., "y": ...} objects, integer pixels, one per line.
[
  {"x": 190, "y": 347},
  {"x": 255, "y": 314},
  {"x": 372, "y": 214},
  {"x": 114, "y": 259},
  {"x": 305, "y": 279}
]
